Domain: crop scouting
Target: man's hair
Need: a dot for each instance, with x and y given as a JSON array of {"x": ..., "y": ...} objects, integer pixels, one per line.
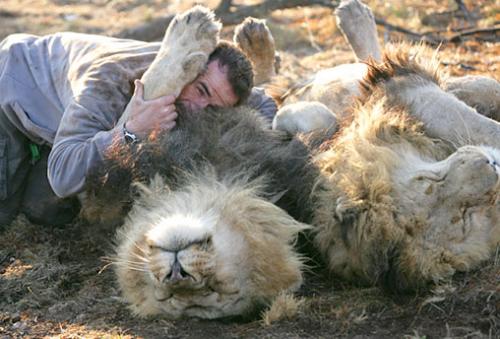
[{"x": 239, "y": 68}]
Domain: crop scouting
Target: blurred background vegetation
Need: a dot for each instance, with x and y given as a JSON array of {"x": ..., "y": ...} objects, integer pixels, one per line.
[{"x": 302, "y": 31}]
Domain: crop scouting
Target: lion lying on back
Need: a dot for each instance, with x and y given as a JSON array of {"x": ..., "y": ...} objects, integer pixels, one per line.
[
  {"x": 213, "y": 248},
  {"x": 399, "y": 208},
  {"x": 388, "y": 204}
]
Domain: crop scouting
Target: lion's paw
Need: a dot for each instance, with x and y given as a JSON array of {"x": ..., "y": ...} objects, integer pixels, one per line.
[
  {"x": 194, "y": 63},
  {"x": 193, "y": 31},
  {"x": 254, "y": 38}
]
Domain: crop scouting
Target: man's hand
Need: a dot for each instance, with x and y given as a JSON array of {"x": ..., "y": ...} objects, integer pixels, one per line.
[{"x": 147, "y": 115}]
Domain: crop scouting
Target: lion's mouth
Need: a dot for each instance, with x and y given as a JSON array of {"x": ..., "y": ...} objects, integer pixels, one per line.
[{"x": 177, "y": 274}]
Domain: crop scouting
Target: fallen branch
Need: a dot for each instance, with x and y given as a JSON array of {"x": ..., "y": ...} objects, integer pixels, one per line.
[
  {"x": 433, "y": 39},
  {"x": 414, "y": 36},
  {"x": 489, "y": 30},
  {"x": 232, "y": 17}
]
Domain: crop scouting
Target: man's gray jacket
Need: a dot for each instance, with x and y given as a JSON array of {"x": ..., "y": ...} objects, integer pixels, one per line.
[{"x": 68, "y": 90}]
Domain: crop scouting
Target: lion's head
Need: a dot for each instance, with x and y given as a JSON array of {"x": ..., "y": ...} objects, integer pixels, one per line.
[
  {"x": 453, "y": 203},
  {"x": 211, "y": 249}
]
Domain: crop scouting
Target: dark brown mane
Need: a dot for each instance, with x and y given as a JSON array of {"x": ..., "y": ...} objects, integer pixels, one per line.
[{"x": 231, "y": 141}]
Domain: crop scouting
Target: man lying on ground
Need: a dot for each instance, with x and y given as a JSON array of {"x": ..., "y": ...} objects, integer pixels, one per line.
[{"x": 61, "y": 97}]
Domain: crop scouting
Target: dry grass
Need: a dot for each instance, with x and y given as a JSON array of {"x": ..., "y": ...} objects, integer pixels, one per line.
[
  {"x": 284, "y": 307},
  {"x": 50, "y": 279}
]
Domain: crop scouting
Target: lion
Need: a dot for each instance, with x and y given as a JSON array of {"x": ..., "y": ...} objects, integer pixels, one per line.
[
  {"x": 211, "y": 249},
  {"x": 408, "y": 190},
  {"x": 214, "y": 193},
  {"x": 398, "y": 206}
]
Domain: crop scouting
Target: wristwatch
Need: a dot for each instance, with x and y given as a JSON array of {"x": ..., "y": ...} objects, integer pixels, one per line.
[{"x": 130, "y": 138}]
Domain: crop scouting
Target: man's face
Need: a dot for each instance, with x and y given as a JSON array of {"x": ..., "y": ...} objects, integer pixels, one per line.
[{"x": 210, "y": 88}]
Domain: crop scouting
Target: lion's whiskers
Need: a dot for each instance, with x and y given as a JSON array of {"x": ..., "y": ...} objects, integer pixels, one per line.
[
  {"x": 463, "y": 138},
  {"x": 114, "y": 260},
  {"x": 126, "y": 236},
  {"x": 140, "y": 257},
  {"x": 129, "y": 264}
]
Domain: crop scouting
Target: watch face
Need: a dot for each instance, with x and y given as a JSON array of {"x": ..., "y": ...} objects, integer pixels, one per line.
[{"x": 130, "y": 138}]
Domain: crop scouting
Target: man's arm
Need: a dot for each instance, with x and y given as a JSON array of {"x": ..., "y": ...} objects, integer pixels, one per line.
[
  {"x": 79, "y": 145},
  {"x": 88, "y": 128}
]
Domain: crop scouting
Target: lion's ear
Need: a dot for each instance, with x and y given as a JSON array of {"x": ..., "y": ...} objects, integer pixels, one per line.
[{"x": 347, "y": 212}]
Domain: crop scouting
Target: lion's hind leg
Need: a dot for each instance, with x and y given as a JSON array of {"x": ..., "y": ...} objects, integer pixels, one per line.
[{"x": 254, "y": 38}]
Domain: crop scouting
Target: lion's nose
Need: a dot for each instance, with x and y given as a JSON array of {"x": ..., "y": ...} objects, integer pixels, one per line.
[
  {"x": 176, "y": 274},
  {"x": 494, "y": 165}
]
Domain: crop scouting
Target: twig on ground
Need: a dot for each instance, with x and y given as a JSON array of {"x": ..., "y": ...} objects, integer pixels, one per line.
[
  {"x": 414, "y": 36},
  {"x": 310, "y": 33},
  {"x": 488, "y": 30},
  {"x": 229, "y": 17},
  {"x": 433, "y": 39}
]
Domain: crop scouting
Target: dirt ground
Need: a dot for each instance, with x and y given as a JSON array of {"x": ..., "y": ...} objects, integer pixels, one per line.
[{"x": 55, "y": 283}]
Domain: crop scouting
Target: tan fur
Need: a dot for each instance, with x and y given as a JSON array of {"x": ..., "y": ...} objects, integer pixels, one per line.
[
  {"x": 393, "y": 206},
  {"x": 236, "y": 248},
  {"x": 334, "y": 87},
  {"x": 401, "y": 208},
  {"x": 304, "y": 117},
  {"x": 477, "y": 91}
]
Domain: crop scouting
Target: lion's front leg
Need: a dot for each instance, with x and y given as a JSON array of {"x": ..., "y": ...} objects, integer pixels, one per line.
[{"x": 188, "y": 42}]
